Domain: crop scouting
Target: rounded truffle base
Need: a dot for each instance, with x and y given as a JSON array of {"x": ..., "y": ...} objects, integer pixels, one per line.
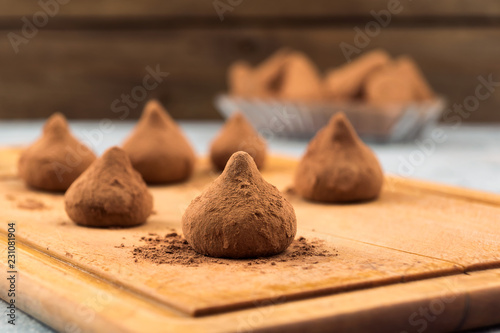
[
  {"x": 164, "y": 171},
  {"x": 328, "y": 196},
  {"x": 99, "y": 218},
  {"x": 239, "y": 251}
]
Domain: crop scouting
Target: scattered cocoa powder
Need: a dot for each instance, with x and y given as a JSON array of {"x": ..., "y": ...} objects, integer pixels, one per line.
[
  {"x": 173, "y": 249},
  {"x": 31, "y": 204},
  {"x": 338, "y": 166},
  {"x": 56, "y": 159},
  {"x": 10, "y": 197},
  {"x": 240, "y": 215},
  {"x": 110, "y": 193},
  {"x": 237, "y": 135},
  {"x": 158, "y": 149}
]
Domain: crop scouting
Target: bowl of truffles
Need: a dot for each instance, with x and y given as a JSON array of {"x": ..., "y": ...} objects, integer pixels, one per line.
[{"x": 386, "y": 99}]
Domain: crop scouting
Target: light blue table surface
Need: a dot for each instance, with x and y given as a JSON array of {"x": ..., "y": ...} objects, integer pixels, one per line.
[{"x": 467, "y": 156}]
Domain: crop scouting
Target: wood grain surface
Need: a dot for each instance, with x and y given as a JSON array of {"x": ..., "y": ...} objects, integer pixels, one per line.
[
  {"x": 81, "y": 73},
  {"x": 90, "y": 53},
  {"x": 71, "y": 275},
  {"x": 254, "y": 8}
]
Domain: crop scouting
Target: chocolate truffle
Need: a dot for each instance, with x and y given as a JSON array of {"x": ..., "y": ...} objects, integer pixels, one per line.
[
  {"x": 346, "y": 82},
  {"x": 240, "y": 78},
  {"x": 300, "y": 79},
  {"x": 110, "y": 193},
  {"x": 237, "y": 135},
  {"x": 240, "y": 215},
  {"x": 268, "y": 75},
  {"x": 56, "y": 159},
  {"x": 261, "y": 81},
  {"x": 338, "y": 166},
  {"x": 410, "y": 70},
  {"x": 390, "y": 85},
  {"x": 158, "y": 149}
]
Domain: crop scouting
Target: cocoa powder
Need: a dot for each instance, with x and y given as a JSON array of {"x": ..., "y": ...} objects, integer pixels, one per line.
[
  {"x": 173, "y": 249},
  {"x": 110, "y": 193},
  {"x": 237, "y": 135},
  {"x": 240, "y": 215},
  {"x": 158, "y": 149},
  {"x": 338, "y": 166},
  {"x": 31, "y": 204},
  {"x": 56, "y": 159}
]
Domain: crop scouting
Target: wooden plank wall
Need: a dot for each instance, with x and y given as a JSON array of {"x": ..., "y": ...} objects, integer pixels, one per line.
[{"x": 91, "y": 52}]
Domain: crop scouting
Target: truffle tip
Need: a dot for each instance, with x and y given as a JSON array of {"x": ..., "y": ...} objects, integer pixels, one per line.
[
  {"x": 341, "y": 129},
  {"x": 115, "y": 154},
  {"x": 155, "y": 113},
  {"x": 237, "y": 118},
  {"x": 240, "y": 162},
  {"x": 56, "y": 123}
]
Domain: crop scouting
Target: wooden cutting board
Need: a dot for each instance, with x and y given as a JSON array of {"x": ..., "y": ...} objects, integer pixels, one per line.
[{"x": 422, "y": 256}]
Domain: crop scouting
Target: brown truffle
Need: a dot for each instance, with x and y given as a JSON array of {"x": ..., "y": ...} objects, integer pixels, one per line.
[
  {"x": 262, "y": 81},
  {"x": 237, "y": 135},
  {"x": 110, "y": 193},
  {"x": 158, "y": 149},
  {"x": 56, "y": 159},
  {"x": 240, "y": 215},
  {"x": 300, "y": 79},
  {"x": 338, "y": 166},
  {"x": 269, "y": 74},
  {"x": 389, "y": 85},
  {"x": 346, "y": 82},
  {"x": 410, "y": 70},
  {"x": 240, "y": 78}
]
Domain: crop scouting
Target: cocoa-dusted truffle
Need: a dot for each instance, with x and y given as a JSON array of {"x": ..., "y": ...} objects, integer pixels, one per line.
[
  {"x": 390, "y": 85},
  {"x": 56, "y": 159},
  {"x": 110, "y": 193},
  {"x": 240, "y": 78},
  {"x": 346, "y": 82},
  {"x": 261, "y": 81},
  {"x": 268, "y": 74},
  {"x": 237, "y": 135},
  {"x": 338, "y": 166},
  {"x": 158, "y": 149},
  {"x": 300, "y": 79},
  {"x": 412, "y": 73},
  {"x": 240, "y": 215}
]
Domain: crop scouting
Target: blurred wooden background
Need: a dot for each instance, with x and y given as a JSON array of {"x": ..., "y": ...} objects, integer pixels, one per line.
[{"x": 91, "y": 52}]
